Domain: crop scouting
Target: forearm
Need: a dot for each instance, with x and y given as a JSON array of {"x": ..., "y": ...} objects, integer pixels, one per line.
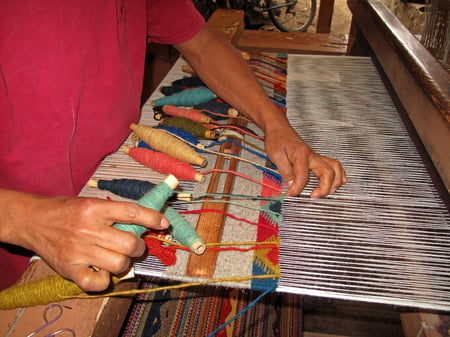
[
  {"x": 16, "y": 213},
  {"x": 222, "y": 68}
]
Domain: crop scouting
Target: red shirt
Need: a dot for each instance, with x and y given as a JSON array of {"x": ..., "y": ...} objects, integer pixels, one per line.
[{"x": 71, "y": 77}]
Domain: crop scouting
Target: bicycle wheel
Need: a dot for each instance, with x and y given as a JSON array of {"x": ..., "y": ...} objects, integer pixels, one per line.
[{"x": 291, "y": 16}]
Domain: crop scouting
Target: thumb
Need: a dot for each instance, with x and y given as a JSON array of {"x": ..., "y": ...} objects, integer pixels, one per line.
[{"x": 295, "y": 174}]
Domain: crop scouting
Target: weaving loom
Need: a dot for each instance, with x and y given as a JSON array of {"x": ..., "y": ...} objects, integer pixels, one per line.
[
  {"x": 384, "y": 237},
  {"x": 120, "y": 165},
  {"x": 337, "y": 251}
]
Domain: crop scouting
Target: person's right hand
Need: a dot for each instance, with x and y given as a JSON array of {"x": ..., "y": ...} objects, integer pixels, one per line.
[{"x": 75, "y": 234}]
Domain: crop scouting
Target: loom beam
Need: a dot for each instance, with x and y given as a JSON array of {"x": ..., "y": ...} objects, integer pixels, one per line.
[{"x": 210, "y": 225}]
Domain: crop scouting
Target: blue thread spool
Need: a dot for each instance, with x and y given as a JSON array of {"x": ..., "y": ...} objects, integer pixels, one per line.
[{"x": 187, "y": 97}]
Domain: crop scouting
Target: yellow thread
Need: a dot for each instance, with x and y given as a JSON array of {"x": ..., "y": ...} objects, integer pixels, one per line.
[
  {"x": 215, "y": 244},
  {"x": 180, "y": 286}
]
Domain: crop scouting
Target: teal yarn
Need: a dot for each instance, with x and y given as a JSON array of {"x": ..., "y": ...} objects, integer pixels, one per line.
[
  {"x": 187, "y": 97},
  {"x": 182, "y": 231},
  {"x": 154, "y": 199}
]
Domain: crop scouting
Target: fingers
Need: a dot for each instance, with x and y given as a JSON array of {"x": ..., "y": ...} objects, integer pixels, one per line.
[
  {"x": 97, "y": 243},
  {"x": 329, "y": 171},
  {"x": 89, "y": 279},
  {"x": 132, "y": 213}
]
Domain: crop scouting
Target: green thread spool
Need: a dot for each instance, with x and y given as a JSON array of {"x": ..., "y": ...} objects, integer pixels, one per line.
[
  {"x": 55, "y": 288},
  {"x": 187, "y": 97},
  {"x": 155, "y": 199},
  {"x": 188, "y": 125},
  {"x": 183, "y": 232}
]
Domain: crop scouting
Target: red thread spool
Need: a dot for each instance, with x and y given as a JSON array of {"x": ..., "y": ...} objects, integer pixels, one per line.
[{"x": 163, "y": 163}]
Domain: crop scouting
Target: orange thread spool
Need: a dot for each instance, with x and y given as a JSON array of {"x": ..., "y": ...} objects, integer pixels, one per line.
[{"x": 163, "y": 163}]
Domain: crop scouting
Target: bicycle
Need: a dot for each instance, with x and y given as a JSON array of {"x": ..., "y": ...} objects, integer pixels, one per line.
[{"x": 286, "y": 15}]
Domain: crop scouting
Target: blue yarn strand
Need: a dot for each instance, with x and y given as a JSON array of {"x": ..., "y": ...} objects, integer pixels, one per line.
[
  {"x": 259, "y": 154},
  {"x": 242, "y": 311}
]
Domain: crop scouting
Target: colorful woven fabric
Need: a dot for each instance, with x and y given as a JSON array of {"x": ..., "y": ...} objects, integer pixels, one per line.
[{"x": 199, "y": 311}]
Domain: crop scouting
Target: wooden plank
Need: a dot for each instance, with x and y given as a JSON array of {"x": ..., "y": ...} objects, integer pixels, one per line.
[
  {"x": 210, "y": 225},
  {"x": 87, "y": 317},
  {"x": 227, "y": 22},
  {"x": 422, "y": 85},
  {"x": 419, "y": 80},
  {"x": 326, "y": 9},
  {"x": 293, "y": 42},
  {"x": 423, "y": 324}
]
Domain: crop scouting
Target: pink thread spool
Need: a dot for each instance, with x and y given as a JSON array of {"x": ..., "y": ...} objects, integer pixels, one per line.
[{"x": 192, "y": 114}]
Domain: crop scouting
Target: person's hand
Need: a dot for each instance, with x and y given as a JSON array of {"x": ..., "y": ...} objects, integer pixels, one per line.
[
  {"x": 74, "y": 235},
  {"x": 294, "y": 158}
]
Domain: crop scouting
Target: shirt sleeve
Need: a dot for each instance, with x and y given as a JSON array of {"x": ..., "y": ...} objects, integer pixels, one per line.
[{"x": 172, "y": 21}]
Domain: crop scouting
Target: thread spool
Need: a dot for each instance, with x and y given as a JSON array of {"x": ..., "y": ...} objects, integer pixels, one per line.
[
  {"x": 163, "y": 163},
  {"x": 55, "y": 288},
  {"x": 155, "y": 199},
  {"x": 179, "y": 228},
  {"x": 186, "y": 68},
  {"x": 193, "y": 114},
  {"x": 187, "y": 97},
  {"x": 127, "y": 188},
  {"x": 163, "y": 142},
  {"x": 186, "y": 136},
  {"x": 183, "y": 232},
  {"x": 223, "y": 109},
  {"x": 189, "y": 81},
  {"x": 190, "y": 126}
]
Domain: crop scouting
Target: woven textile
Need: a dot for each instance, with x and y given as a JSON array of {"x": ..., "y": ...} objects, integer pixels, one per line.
[{"x": 199, "y": 311}]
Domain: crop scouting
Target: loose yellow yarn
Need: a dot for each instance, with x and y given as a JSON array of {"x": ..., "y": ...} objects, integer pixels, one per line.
[
  {"x": 183, "y": 285},
  {"x": 54, "y": 288}
]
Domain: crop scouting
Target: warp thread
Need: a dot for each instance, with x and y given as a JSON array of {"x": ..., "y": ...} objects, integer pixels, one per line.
[{"x": 164, "y": 142}]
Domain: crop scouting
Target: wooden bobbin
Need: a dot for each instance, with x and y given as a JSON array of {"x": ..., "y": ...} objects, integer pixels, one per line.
[
  {"x": 186, "y": 68},
  {"x": 93, "y": 183}
]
